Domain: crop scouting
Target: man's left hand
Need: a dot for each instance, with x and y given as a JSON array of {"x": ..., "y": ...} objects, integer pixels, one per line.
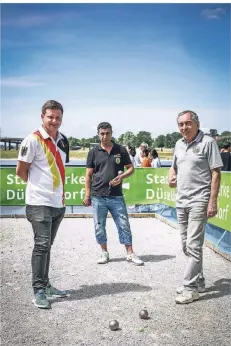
[
  {"x": 212, "y": 209},
  {"x": 116, "y": 181}
]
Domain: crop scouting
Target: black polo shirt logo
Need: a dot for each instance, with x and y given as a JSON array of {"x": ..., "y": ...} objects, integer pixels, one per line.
[{"x": 117, "y": 158}]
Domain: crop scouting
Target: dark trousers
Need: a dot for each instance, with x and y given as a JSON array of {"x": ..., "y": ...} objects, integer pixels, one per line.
[{"x": 45, "y": 222}]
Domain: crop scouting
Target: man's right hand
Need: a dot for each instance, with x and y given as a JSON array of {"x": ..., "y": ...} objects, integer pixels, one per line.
[{"x": 87, "y": 202}]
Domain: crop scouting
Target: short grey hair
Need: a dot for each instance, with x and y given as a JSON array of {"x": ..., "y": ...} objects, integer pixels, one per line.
[
  {"x": 194, "y": 117},
  {"x": 145, "y": 145}
]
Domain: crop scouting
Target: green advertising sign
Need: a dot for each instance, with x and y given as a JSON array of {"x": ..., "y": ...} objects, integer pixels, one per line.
[{"x": 145, "y": 186}]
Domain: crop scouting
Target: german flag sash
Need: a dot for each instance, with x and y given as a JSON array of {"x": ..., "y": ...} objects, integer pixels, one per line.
[{"x": 54, "y": 160}]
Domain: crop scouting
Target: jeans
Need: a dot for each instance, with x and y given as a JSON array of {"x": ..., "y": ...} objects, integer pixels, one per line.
[
  {"x": 45, "y": 222},
  {"x": 192, "y": 222},
  {"x": 117, "y": 207}
]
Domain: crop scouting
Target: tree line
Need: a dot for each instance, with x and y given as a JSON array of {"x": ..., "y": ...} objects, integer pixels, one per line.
[{"x": 162, "y": 141}]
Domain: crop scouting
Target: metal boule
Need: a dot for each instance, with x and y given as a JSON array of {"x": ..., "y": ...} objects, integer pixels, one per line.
[
  {"x": 143, "y": 314},
  {"x": 114, "y": 325}
]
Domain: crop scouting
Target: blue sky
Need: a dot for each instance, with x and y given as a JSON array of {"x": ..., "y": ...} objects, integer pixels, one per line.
[{"x": 134, "y": 65}]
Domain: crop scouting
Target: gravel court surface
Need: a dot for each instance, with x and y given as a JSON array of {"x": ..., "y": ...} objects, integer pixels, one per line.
[{"x": 117, "y": 290}]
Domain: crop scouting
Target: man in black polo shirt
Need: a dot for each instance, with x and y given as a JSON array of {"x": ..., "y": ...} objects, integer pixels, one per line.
[
  {"x": 104, "y": 175},
  {"x": 226, "y": 157}
]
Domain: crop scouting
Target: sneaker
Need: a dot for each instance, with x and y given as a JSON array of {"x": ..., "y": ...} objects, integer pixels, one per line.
[
  {"x": 41, "y": 301},
  {"x": 104, "y": 258},
  {"x": 201, "y": 289},
  {"x": 51, "y": 291},
  {"x": 187, "y": 297},
  {"x": 134, "y": 259}
]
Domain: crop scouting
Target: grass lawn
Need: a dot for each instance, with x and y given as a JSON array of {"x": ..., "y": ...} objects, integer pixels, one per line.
[
  {"x": 79, "y": 154},
  {"x": 9, "y": 154}
]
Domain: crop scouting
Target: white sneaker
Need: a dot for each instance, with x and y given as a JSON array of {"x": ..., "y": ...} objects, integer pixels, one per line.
[
  {"x": 187, "y": 297},
  {"x": 104, "y": 258},
  {"x": 201, "y": 289},
  {"x": 134, "y": 259}
]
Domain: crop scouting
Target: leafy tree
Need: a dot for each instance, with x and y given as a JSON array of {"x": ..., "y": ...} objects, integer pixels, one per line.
[
  {"x": 153, "y": 145},
  {"x": 226, "y": 133},
  {"x": 160, "y": 141},
  {"x": 144, "y": 136},
  {"x": 73, "y": 141},
  {"x": 83, "y": 142},
  {"x": 175, "y": 137},
  {"x": 95, "y": 139},
  {"x": 223, "y": 141},
  {"x": 129, "y": 139},
  {"x": 121, "y": 139},
  {"x": 213, "y": 132},
  {"x": 168, "y": 141}
]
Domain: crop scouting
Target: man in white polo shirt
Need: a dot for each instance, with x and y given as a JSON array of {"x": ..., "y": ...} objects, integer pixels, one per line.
[
  {"x": 41, "y": 163},
  {"x": 195, "y": 173}
]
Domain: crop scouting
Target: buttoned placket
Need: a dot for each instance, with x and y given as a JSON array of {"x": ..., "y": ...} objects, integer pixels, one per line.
[{"x": 189, "y": 145}]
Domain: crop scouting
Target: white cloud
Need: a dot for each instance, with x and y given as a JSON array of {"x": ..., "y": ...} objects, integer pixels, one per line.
[
  {"x": 132, "y": 93},
  {"x": 33, "y": 20},
  {"x": 26, "y": 21},
  {"x": 20, "y": 82},
  {"x": 215, "y": 13}
]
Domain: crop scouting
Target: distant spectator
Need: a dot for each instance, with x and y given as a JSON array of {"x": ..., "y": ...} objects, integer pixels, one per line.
[
  {"x": 132, "y": 153},
  {"x": 138, "y": 156},
  {"x": 145, "y": 160},
  {"x": 155, "y": 161},
  {"x": 226, "y": 157}
]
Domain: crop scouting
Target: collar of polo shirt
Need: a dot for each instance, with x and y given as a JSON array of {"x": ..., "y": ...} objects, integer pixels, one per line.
[
  {"x": 198, "y": 137},
  {"x": 102, "y": 149},
  {"x": 45, "y": 134}
]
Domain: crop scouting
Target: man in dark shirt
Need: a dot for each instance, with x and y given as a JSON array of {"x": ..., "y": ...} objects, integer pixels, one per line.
[
  {"x": 226, "y": 157},
  {"x": 104, "y": 175}
]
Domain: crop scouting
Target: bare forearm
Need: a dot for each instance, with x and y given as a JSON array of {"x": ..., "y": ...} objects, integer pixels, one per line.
[
  {"x": 215, "y": 184},
  {"x": 128, "y": 172},
  {"x": 88, "y": 186},
  {"x": 172, "y": 177},
  {"x": 22, "y": 175}
]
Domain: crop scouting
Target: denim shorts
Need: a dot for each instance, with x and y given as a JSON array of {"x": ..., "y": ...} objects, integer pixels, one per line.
[{"x": 117, "y": 207}]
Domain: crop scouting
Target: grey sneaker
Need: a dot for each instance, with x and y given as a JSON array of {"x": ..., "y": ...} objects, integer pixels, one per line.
[
  {"x": 51, "y": 291},
  {"x": 201, "y": 289},
  {"x": 104, "y": 258},
  {"x": 134, "y": 259},
  {"x": 40, "y": 300},
  {"x": 187, "y": 297}
]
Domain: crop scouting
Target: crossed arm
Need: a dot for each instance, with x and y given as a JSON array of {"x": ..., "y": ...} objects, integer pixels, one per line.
[{"x": 22, "y": 170}]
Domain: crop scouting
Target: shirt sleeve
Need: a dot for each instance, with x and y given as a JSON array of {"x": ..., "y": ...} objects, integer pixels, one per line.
[
  {"x": 137, "y": 159},
  {"x": 28, "y": 149},
  {"x": 90, "y": 159},
  {"x": 214, "y": 156},
  {"x": 156, "y": 163},
  {"x": 126, "y": 157}
]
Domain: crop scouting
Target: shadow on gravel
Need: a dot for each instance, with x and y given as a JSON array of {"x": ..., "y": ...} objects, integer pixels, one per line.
[
  {"x": 220, "y": 288},
  {"x": 146, "y": 258},
  {"x": 91, "y": 291}
]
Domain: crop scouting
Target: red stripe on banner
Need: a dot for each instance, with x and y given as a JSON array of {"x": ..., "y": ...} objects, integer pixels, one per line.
[{"x": 50, "y": 145}]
